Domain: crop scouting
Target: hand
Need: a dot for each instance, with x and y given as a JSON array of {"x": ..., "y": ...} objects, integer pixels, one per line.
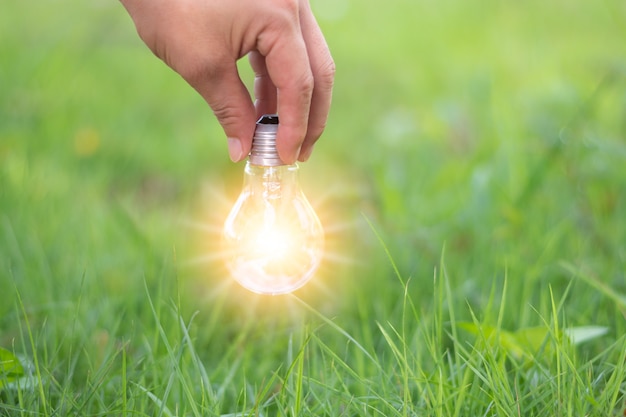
[{"x": 294, "y": 71}]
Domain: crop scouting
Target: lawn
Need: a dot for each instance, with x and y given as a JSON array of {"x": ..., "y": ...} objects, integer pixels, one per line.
[{"x": 471, "y": 183}]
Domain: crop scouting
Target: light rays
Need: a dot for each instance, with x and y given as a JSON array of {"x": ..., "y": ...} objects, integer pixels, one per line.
[{"x": 206, "y": 230}]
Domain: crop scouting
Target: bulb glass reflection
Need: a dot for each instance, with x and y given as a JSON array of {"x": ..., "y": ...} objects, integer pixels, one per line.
[{"x": 273, "y": 239}]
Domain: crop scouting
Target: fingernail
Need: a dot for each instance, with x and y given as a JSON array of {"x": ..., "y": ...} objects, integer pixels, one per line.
[
  {"x": 306, "y": 154},
  {"x": 296, "y": 154},
  {"x": 289, "y": 157},
  {"x": 235, "y": 151}
]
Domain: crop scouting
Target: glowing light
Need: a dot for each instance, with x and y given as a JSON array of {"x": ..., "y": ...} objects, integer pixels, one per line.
[
  {"x": 273, "y": 245},
  {"x": 210, "y": 257},
  {"x": 273, "y": 239}
]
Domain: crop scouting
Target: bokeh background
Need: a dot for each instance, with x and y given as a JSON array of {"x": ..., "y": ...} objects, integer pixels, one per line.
[{"x": 485, "y": 138}]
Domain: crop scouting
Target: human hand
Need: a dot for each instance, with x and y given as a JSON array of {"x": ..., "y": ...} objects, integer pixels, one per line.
[{"x": 294, "y": 71}]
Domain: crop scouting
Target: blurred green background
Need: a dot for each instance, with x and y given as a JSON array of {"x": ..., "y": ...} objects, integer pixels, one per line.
[{"x": 487, "y": 137}]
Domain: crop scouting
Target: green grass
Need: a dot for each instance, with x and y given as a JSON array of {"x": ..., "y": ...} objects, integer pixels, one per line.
[{"x": 471, "y": 181}]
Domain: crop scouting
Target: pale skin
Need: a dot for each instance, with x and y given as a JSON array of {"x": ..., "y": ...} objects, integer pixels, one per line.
[{"x": 202, "y": 40}]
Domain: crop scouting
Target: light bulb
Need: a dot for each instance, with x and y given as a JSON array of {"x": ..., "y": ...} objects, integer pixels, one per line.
[{"x": 273, "y": 239}]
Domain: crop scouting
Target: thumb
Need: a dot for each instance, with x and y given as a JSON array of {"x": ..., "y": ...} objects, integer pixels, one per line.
[{"x": 230, "y": 101}]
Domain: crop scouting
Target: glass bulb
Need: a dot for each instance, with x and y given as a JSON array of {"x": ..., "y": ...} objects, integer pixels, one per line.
[{"x": 274, "y": 241}]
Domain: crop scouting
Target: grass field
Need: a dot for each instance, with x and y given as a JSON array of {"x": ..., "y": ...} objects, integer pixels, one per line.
[{"x": 471, "y": 181}]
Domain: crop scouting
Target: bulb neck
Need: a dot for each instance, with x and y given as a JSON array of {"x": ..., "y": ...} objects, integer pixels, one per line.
[
  {"x": 264, "y": 151},
  {"x": 271, "y": 182}
]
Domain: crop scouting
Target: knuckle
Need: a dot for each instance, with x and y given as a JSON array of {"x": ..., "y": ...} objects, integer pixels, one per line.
[
  {"x": 306, "y": 83},
  {"x": 226, "y": 112},
  {"x": 326, "y": 72},
  {"x": 222, "y": 110},
  {"x": 291, "y": 7},
  {"x": 284, "y": 15}
]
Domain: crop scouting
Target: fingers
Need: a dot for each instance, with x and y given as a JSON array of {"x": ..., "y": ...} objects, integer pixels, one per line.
[
  {"x": 288, "y": 67},
  {"x": 323, "y": 70},
  {"x": 264, "y": 89},
  {"x": 202, "y": 41},
  {"x": 228, "y": 97},
  {"x": 296, "y": 77}
]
